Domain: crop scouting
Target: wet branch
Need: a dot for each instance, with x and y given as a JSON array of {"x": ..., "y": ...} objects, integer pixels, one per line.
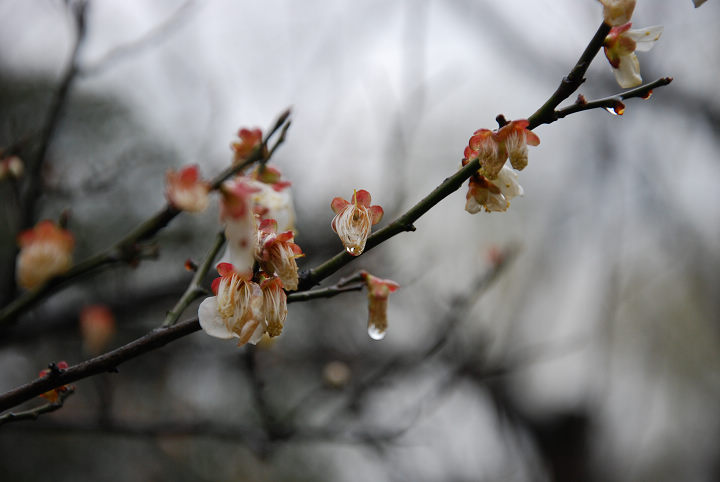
[{"x": 614, "y": 102}]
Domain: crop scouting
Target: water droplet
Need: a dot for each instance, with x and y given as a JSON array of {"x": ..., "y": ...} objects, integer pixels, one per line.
[
  {"x": 647, "y": 95},
  {"x": 375, "y": 333},
  {"x": 617, "y": 109},
  {"x": 353, "y": 250}
]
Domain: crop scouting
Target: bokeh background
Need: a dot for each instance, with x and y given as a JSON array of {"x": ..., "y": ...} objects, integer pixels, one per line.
[{"x": 574, "y": 337}]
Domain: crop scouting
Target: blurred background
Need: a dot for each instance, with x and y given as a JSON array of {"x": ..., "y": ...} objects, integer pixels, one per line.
[{"x": 574, "y": 337}]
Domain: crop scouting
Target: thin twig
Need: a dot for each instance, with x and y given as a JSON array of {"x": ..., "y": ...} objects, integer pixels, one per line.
[
  {"x": 569, "y": 84},
  {"x": 195, "y": 288},
  {"x": 345, "y": 285},
  {"x": 614, "y": 101},
  {"x": 157, "y": 34},
  {"x": 33, "y": 185},
  {"x": 34, "y": 413},
  {"x": 107, "y": 362}
]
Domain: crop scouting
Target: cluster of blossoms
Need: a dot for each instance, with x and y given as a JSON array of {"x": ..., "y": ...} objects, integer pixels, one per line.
[
  {"x": 242, "y": 308},
  {"x": 621, "y": 43},
  {"x": 495, "y": 184},
  {"x": 259, "y": 263}
]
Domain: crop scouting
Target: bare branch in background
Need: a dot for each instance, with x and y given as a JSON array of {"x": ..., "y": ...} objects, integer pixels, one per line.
[{"x": 157, "y": 35}]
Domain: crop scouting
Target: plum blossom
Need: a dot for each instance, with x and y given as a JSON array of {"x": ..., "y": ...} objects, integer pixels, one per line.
[
  {"x": 274, "y": 197},
  {"x": 617, "y": 12},
  {"x": 45, "y": 251},
  {"x": 236, "y": 310},
  {"x": 185, "y": 190},
  {"x": 494, "y": 147},
  {"x": 620, "y": 47},
  {"x": 354, "y": 220},
  {"x": 378, "y": 292},
  {"x": 495, "y": 184},
  {"x": 274, "y": 305},
  {"x": 492, "y": 195},
  {"x": 249, "y": 140},
  {"x": 276, "y": 253}
]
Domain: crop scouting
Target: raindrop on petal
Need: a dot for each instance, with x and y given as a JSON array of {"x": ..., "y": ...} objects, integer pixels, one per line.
[{"x": 375, "y": 333}]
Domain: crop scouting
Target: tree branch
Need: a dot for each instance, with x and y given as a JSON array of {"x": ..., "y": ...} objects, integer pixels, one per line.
[
  {"x": 195, "y": 289},
  {"x": 127, "y": 249},
  {"x": 107, "y": 362},
  {"x": 34, "y": 413},
  {"x": 569, "y": 84},
  {"x": 613, "y": 102}
]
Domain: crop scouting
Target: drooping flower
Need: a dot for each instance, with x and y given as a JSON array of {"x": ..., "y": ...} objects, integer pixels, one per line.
[
  {"x": 492, "y": 195},
  {"x": 45, "y": 251},
  {"x": 494, "y": 147},
  {"x": 236, "y": 310},
  {"x": 515, "y": 137},
  {"x": 54, "y": 395},
  {"x": 97, "y": 326},
  {"x": 617, "y": 12},
  {"x": 249, "y": 140},
  {"x": 485, "y": 146},
  {"x": 620, "y": 47},
  {"x": 185, "y": 189},
  {"x": 236, "y": 211},
  {"x": 378, "y": 292},
  {"x": 274, "y": 197},
  {"x": 276, "y": 253},
  {"x": 354, "y": 220},
  {"x": 274, "y": 305}
]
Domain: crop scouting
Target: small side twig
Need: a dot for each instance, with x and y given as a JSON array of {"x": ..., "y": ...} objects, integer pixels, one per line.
[
  {"x": 546, "y": 113},
  {"x": 195, "y": 288},
  {"x": 614, "y": 101},
  {"x": 345, "y": 285},
  {"x": 34, "y": 413}
]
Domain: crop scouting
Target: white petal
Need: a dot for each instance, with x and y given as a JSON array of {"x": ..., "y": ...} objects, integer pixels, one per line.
[
  {"x": 241, "y": 237},
  {"x": 645, "y": 38},
  {"x": 258, "y": 333},
  {"x": 210, "y": 320},
  {"x": 279, "y": 205},
  {"x": 628, "y": 72},
  {"x": 507, "y": 181}
]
